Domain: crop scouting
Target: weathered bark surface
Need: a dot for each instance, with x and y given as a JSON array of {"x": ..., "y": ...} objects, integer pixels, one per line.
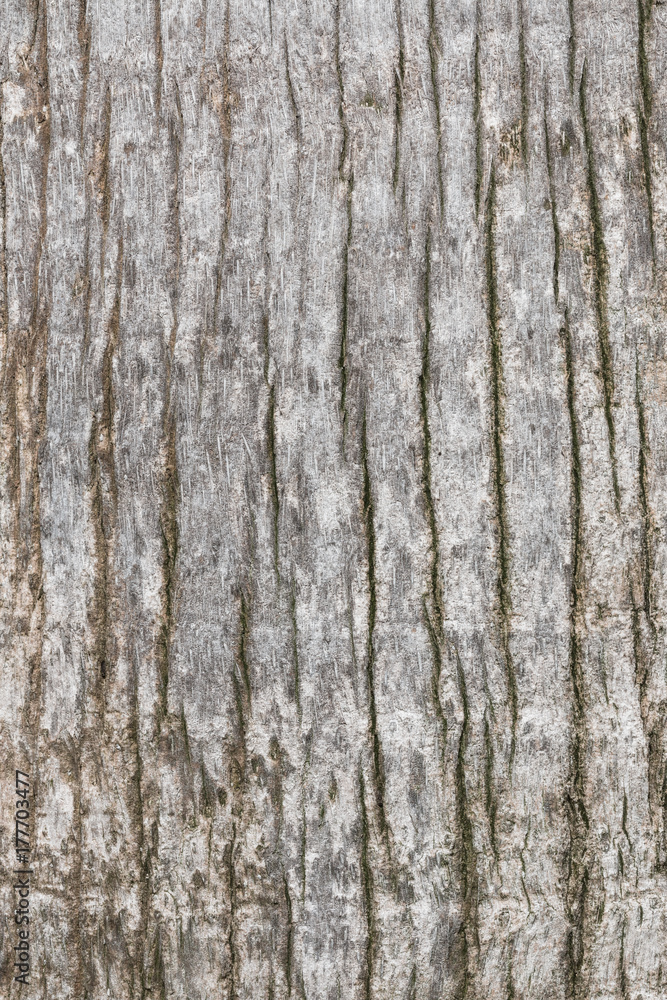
[{"x": 333, "y": 492}]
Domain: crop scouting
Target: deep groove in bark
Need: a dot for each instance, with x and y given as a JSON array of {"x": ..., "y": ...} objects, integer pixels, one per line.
[
  {"x": 369, "y": 525},
  {"x": 601, "y": 278},
  {"x": 297, "y": 115},
  {"x": 497, "y": 422},
  {"x": 572, "y": 47},
  {"x": 159, "y": 57},
  {"x": 433, "y": 57},
  {"x": 578, "y": 873},
  {"x": 367, "y": 887},
  {"x": 644, "y": 508},
  {"x": 275, "y": 500},
  {"x": 170, "y": 481},
  {"x": 341, "y": 95},
  {"x": 349, "y": 183},
  {"x": 231, "y": 936},
  {"x": 523, "y": 77},
  {"x": 295, "y": 650},
  {"x": 225, "y": 116},
  {"x": 434, "y": 619},
  {"x": 552, "y": 199},
  {"x": 83, "y": 36},
  {"x": 644, "y": 112},
  {"x": 289, "y": 944},
  {"x": 468, "y": 863},
  {"x": 399, "y": 82},
  {"x": 342, "y": 358},
  {"x": 490, "y": 803},
  {"x": 477, "y": 118},
  {"x": 4, "y": 291}
]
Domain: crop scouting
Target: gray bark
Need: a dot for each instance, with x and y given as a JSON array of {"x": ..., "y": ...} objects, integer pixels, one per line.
[{"x": 333, "y": 491}]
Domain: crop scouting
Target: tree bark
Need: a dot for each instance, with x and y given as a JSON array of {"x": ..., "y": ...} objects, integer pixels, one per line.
[{"x": 333, "y": 492}]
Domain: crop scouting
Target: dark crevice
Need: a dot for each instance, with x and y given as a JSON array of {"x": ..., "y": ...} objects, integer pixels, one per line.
[
  {"x": 490, "y": 803},
  {"x": 622, "y": 973},
  {"x": 341, "y": 97},
  {"x": 578, "y": 873},
  {"x": 369, "y": 525},
  {"x": 342, "y": 358},
  {"x": 170, "y": 479},
  {"x": 552, "y": 199},
  {"x": 295, "y": 651},
  {"x": 346, "y": 176},
  {"x": 399, "y": 84},
  {"x": 497, "y": 427},
  {"x": 225, "y": 117},
  {"x": 434, "y": 619},
  {"x": 477, "y": 117},
  {"x": 271, "y": 448},
  {"x": 644, "y": 112},
  {"x": 289, "y": 944},
  {"x": 646, "y": 532},
  {"x": 159, "y": 56},
  {"x": 4, "y": 290},
  {"x": 297, "y": 115},
  {"x": 231, "y": 935},
  {"x": 367, "y": 887},
  {"x": 523, "y": 76},
  {"x": 644, "y": 629},
  {"x": 469, "y": 934},
  {"x": 83, "y": 36},
  {"x": 572, "y": 47},
  {"x": 600, "y": 281},
  {"x": 433, "y": 56}
]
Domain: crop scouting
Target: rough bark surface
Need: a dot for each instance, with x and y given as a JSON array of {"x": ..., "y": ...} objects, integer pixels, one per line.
[{"x": 333, "y": 497}]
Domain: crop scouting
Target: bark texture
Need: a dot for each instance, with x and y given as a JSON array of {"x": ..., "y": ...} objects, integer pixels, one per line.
[{"x": 333, "y": 497}]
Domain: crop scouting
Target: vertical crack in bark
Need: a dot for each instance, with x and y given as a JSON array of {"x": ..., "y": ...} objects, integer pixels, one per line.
[
  {"x": 169, "y": 527},
  {"x": 643, "y": 644},
  {"x": 30, "y": 399},
  {"x": 367, "y": 886},
  {"x": 646, "y": 533},
  {"x": 571, "y": 47},
  {"x": 98, "y": 180},
  {"x": 271, "y": 447},
  {"x": 468, "y": 863},
  {"x": 369, "y": 524},
  {"x": 4, "y": 290},
  {"x": 289, "y": 944},
  {"x": 490, "y": 803},
  {"x": 83, "y": 36},
  {"x": 349, "y": 182},
  {"x": 231, "y": 936},
  {"x": 242, "y": 693},
  {"x": 477, "y": 117},
  {"x": 341, "y": 96},
  {"x": 644, "y": 111},
  {"x": 578, "y": 873},
  {"x": 399, "y": 82},
  {"x": 622, "y": 973},
  {"x": 295, "y": 651},
  {"x": 297, "y": 117},
  {"x": 433, "y": 57},
  {"x": 523, "y": 76},
  {"x": 434, "y": 620},
  {"x": 103, "y": 186},
  {"x": 159, "y": 57},
  {"x": 600, "y": 281},
  {"x": 225, "y": 115},
  {"x": 497, "y": 421},
  {"x": 552, "y": 199}
]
